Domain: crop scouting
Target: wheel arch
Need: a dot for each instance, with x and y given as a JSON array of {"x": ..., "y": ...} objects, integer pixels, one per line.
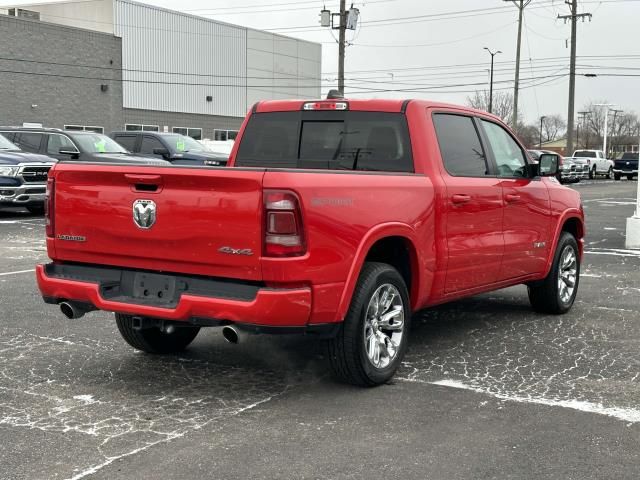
[
  {"x": 392, "y": 243},
  {"x": 571, "y": 221}
]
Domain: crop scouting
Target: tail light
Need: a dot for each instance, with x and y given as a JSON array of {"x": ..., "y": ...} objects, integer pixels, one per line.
[
  {"x": 49, "y": 204},
  {"x": 283, "y": 232}
]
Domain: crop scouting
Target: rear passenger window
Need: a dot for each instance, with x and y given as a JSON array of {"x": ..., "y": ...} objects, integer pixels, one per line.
[
  {"x": 29, "y": 142},
  {"x": 460, "y": 145},
  {"x": 56, "y": 142}
]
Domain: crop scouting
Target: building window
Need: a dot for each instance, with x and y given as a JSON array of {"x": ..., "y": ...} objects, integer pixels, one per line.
[
  {"x": 195, "y": 133},
  {"x": 225, "y": 134},
  {"x": 135, "y": 127},
  {"x": 85, "y": 128}
]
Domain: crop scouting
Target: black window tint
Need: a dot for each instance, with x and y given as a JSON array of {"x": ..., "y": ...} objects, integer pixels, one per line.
[
  {"x": 270, "y": 140},
  {"x": 584, "y": 154},
  {"x": 327, "y": 140},
  {"x": 9, "y": 136},
  {"x": 29, "y": 142},
  {"x": 320, "y": 142},
  {"x": 127, "y": 141},
  {"x": 149, "y": 143},
  {"x": 460, "y": 145}
]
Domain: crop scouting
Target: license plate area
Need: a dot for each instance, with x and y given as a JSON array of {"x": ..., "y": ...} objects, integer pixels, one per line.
[{"x": 153, "y": 287}]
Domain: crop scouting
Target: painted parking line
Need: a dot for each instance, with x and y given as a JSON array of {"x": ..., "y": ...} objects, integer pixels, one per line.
[{"x": 17, "y": 272}]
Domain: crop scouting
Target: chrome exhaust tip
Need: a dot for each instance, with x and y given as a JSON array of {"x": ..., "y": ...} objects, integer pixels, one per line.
[
  {"x": 232, "y": 335},
  {"x": 71, "y": 311}
]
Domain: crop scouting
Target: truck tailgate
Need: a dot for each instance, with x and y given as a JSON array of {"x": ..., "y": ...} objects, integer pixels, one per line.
[{"x": 207, "y": 221}]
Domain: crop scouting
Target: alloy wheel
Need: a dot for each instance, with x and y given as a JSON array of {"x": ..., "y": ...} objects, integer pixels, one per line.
[{"x": 384, "y": 325}]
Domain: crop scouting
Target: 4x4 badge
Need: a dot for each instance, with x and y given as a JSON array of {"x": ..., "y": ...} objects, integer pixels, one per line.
[{"x": 144, "y": 213}]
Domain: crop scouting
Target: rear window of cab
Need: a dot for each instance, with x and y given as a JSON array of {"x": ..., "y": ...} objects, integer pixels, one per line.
[{"x": 336, "y": 140}]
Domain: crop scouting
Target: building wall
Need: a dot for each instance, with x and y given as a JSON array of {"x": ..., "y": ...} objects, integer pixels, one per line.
[
  {"x": 208, "y": 123},
  {"x": 91, "y": 15},
  {"x": 173, "y": 61},
  {"x": 55, "y": 75}
]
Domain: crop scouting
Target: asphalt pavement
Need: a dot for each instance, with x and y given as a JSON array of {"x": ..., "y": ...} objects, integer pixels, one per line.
[{"x": 488, "y": 390}]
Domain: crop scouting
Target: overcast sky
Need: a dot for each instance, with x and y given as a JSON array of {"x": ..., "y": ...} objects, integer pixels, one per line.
[{"x": 435, "y": 47}]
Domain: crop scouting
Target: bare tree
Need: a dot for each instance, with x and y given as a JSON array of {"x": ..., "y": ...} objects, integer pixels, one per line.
[
  {"x": 502, "y": 103},
  {"x": 553, "y": 126},
  {"x": 594, "y": 121}
]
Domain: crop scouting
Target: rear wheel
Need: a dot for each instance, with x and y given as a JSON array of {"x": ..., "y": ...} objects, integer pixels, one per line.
[
  {"x": 629, "y": 177},
  {"x": 36, "y": 209},
  {"x": 373, "y": 338},
  {"x": 154, "y": 340},
  {"x": 557, "y": 292}
]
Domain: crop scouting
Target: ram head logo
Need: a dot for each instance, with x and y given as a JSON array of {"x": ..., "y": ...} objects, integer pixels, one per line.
[{"x": 144, "y": 213}]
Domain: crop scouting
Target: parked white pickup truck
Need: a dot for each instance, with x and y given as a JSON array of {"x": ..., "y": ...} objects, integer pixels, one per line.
[{"x": 599, "y": 164}]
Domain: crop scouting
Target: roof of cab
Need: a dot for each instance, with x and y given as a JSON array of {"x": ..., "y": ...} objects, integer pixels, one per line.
[{"x": 363, "y": 105}]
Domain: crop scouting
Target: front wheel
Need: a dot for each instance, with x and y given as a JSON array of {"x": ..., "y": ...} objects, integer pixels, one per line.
[
  {"x": 629, "y": 177},
  {"x": 557, "y": 292},
  {"x": 616, "y": 176},
  {"x": 592, "y": 173},
  {"x": 610, "y": 173},
  {"x": 373, "y": 338},
  {"x": 154, "y": 340}
]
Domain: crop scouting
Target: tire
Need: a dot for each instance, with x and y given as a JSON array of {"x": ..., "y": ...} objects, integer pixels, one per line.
[
  {"x": 352, "y": 359},
  {"x": 629, "y": 177},
  {"x": 616, "y": 176},
  {"x": 153, "y": 340},
  {"x": 36, "y": 209},
  {"x": 592, "y": 173},
  {"x": 548, "y": 296},
  {"x": 610, "y": 173}
]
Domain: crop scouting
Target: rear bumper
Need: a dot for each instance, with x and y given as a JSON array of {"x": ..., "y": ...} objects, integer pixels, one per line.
[{"x": 105, "y": 289}]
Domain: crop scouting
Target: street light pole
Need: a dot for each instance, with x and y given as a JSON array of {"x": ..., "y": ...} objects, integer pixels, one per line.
[
  {"x": 493, "y": 54},
  {"x": 541, "y": 120},
  {"x": 606, "y": 124}
]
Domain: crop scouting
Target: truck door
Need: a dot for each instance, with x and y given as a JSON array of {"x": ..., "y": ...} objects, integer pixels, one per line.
[
  {"x": 473, "y": 205},
  {"x": 527, "y": 211}
]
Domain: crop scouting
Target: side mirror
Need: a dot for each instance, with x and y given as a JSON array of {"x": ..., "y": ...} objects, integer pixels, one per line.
[
  {"x": 72, "y": 152},
  {"x": 549, "y": 164},
  {"x": 163, "y": 152}
]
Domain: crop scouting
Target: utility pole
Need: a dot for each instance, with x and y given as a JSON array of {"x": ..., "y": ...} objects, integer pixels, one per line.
[
  {"x": 580, "y": 120},
  {"x": 347, "y": 20},
  {"x": 493, "y": 54},
  {"x": 521, "y": 5},
  {"x": 572, "y": 67},
  {"x": 341, "y": 45},
  {"x": 613, "y": 127}
]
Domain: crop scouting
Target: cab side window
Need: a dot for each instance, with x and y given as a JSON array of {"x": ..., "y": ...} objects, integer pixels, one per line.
[
  {"x": 508, "y": 155},
  {"x": 56, "y": 142},
  {"x": 460, "y": 145},
  {"x": 148, "y": 144}
]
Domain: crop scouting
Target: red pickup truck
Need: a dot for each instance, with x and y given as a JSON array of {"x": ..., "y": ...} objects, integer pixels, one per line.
[{"x": 335, "y": 217}]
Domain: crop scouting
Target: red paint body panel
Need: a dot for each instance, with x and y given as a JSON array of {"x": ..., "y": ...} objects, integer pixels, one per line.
[{"x": 464, "y": 235}]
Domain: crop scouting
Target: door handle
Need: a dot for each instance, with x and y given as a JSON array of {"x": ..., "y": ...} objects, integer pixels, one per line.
[
  {"x": 512, "y": 198},
  {"x": 148, "y": 179},
  {"x": 460, "y": 198}
]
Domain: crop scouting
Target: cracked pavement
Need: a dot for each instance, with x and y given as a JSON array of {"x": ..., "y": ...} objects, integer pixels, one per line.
[{"x": 488, "y": 389}]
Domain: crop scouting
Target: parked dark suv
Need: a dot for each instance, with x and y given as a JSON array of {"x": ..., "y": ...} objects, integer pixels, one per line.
[
  {"x": 71, "y": 145},
  {"x": 176, "y": 148}
]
